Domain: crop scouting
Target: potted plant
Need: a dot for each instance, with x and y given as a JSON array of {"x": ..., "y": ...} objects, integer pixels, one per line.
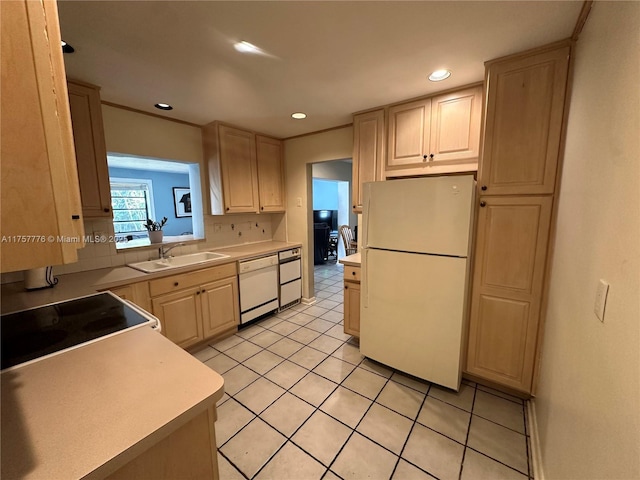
[{"x": 155, "y": 229}]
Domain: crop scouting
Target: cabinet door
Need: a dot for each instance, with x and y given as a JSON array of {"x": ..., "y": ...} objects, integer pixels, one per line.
[
  {"x": 368, "y": 151},
  {"x": 352, "y": 308},
  {"x": 91, "y": 151},
  {"x": 455, "y": 126},
  {"x": 270, "y": 174},
  {"x": 40, "y": 196},
  {"x": 181, "y": 316},
  {"x": 220, "y": 310},
  {"x": 511, "y": 252},
  {"x": 525, "y": 108},
  {"x": 409, "y": 134},
  {"x": 239, "y": 170}
]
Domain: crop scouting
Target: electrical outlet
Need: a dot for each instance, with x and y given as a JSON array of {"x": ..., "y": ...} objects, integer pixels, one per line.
[
  {"x": 217, "y": 227},
  {"x": 601, "y": 299}
]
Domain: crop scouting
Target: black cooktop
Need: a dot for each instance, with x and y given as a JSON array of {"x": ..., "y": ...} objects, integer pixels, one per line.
[{"x": 37, "y": 332}]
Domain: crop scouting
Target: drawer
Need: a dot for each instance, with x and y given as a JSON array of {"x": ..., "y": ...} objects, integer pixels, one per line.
[
  {"x": 191, "y": 279},
  {"x": 351, "y": 273},
  {"x": 289, "y": 271}
]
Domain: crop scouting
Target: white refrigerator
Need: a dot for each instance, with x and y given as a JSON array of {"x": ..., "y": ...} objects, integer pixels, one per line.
[{"x": 415, "y": 274}]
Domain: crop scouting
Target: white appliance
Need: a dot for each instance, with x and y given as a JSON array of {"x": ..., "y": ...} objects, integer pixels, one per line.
[
  {"x": 415, "y": 274},
  {"x": 258, "y": 281},
  {"x": 290, "y": 278}
]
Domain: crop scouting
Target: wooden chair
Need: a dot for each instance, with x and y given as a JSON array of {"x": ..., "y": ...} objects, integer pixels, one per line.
[{"x": 350, "y": 247}]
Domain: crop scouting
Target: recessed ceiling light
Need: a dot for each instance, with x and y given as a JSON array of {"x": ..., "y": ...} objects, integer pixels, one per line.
[
  {"x": 163, "y": 106},
  {"x": 298, "y": 115},
  {"x": 246, "y": 47},
  {"x": 66, "y": 48},
  {"x": 439, "y": 75}
]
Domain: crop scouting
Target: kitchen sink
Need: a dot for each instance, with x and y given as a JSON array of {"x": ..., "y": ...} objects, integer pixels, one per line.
[{"x": 152, "y": 266}]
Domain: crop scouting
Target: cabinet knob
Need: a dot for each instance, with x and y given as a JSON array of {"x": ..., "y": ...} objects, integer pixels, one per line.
[
  {"x": 227, "y": 209},
  {"x": 75, "y": 217},
  {"x": 346, "y": 287},
  {"x": 175, "y": 284},
  {"x": 431, "y": 156},
  {"x": 483, "y": 187},
  {"x": 106, "y": 210},
  {"x": 483, "y": 203},
  {"x": 261, "y": 208},
  {"x": 353, "y": 273},
  {"x": 198, "y": 292},
  {"x": 424, "y": 158},
  {"x": 353, "y": 207}
]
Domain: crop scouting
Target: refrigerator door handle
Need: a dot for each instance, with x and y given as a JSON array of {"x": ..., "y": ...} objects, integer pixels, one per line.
[
  {"x": 365, "y": 282},
  {"x": 365, "y": 237}
]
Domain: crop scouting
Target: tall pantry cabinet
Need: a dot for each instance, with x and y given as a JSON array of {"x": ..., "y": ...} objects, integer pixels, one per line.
[{"x": 523, "y": 123}]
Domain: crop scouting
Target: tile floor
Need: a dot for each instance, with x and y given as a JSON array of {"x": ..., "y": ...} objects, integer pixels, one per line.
[{"x": 302, "y": 403}]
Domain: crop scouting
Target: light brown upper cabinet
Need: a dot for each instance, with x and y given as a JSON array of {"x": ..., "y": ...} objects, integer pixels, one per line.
[
  {"x": 36, "y": 142},
  {"x": 368, "y": 152},
  {"x": 91, "y": 150},
  {"x": 439, "y": 134},
  {"x": 270, "y": 174},
  {"x": 245, "y": 170},
  {"x": 510, "y": 256},
  {"x": 523, "y": 124}
]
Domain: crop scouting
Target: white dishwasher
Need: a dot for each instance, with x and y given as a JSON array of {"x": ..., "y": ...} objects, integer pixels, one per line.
[{"x": 258, "y": 281}]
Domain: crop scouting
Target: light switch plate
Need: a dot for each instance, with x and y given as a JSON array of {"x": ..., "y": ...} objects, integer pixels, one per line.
[{"x": 601, "y": 299}]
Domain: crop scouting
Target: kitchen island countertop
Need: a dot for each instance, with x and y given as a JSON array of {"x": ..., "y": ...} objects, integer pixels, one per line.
[
  {"x": 351, "y": 260},
  {"x": 91, "y": 410}
]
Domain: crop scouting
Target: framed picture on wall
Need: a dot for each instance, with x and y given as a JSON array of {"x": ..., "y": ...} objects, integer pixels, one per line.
[{"x": 182, "y": 201}]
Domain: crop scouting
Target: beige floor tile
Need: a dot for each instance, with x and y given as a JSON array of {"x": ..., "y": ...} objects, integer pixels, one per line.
[
  {"x": 232, "y": 416},
  {"x": 301, "y": 318},
  {"x": 333, "y": 289},
  {"x": 259, "y": 395},
  {"x": 362, "y": 459},
  {"x": 285, "y": 314},
  {"x": 401, "y": 399},
  {"x": 326, "y": 344},
  {"x": 227, "y": 343},
  {"x": 364, "y": 382},
  {"x": 499, "y": 442},
  {"x": 249, "y": 332},
  {"x": 346, "y": 406},
  {"x": 285, "y": 327},
  {"x": 287, "y": 414},
  {"x": 478, "y": 467},
  {"x": 304, "y": 335},
  {"x": 250, "y": 449},
  {"x": 322, "y": 294},
  {"x": 314, "y": 389},
  {"x": 500, "y": 394},
  {"x": 334, "y": 369},
  {"x": 322, "y": 437},
  {"x": 505, "y": 412},
  {"x": 337, "y": 331},
  {"x": 228, "y": 471},
  {"x": 331, "y": 476},
  {"x": 339, "y": 308},
  {"x": 349, "y": 353},
  {"x": 224, "y": 398},
  {"x": 292, "y": 463},
  {"x": 333, "y": 316},
  {"x": 316, "y": 311},
  {"x": 386, "y": 427},
  {"x": 271, "y": 321},
  {"x": 434, "y": 453},
  {"x": 266, "y": 338},
  {"x": 320, "y": 325},
  {"x": 285, "y": 347},
  {"x": 237, "y": 378},
  {"x": 242, "y": 351},
  {"x": 205, "y": 354},
  {"x": 406, "y": 471},
  {"x": 286, "y": 374},
  {"x": 328, "y": 304},
  {"x": 462, "y": 399},
  {"x": 409, "y": 381},
  {"x": 221, "y": 363},
  {"x": 308, "y": 357},
  {"x": 300, "y": 307},
  {"x": 376, "y": 367},
  {"x": 444, "y": 418},
  {"x": 263, "y": 362}
]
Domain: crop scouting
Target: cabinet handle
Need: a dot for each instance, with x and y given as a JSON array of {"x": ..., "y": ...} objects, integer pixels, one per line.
[
  {"x": 353, "y": 273},
  {"x": 353, "y": 207},
  {"x": 106, "y": 210},
  {"x": 346, "y": 287},
  {"x": 198, "y": 292},
  {"x": 261, "y": 208},
  {"x": 483, "y": 187},
  {"x": 175, "y": 284},
  {"x": 483, "y": 203},
  {"x": 424, "y": 158},
  {"x": 227, "y": 209},
  {"x": 203, "y": 291},
  {"x": 75, "y": 217},
  {"x": 431, "y": 156}
]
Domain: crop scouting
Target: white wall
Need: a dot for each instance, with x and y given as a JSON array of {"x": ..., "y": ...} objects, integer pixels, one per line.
[
  {"x": 588, "y": 399},
  {"x": 299, "y": 154}
]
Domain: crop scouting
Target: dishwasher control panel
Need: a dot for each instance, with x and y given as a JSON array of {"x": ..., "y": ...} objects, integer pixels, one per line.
[{"x": 258, "y": 263}]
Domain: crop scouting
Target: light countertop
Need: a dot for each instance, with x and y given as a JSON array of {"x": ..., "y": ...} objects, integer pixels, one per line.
[
  {"x": 351, "y": 260},
  {"x": 15, "y": 297},
  {"x": 95, "y": 408}
]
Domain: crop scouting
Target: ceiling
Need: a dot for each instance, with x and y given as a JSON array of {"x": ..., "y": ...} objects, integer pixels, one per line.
[{"x": 327, "y": 59}]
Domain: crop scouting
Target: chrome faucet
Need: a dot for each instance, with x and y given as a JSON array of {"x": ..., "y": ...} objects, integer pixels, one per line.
[{"x": 163, "y": 252}]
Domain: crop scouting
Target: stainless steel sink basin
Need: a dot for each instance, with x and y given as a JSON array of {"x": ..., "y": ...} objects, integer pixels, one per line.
[{"x": 152, "y": 266}]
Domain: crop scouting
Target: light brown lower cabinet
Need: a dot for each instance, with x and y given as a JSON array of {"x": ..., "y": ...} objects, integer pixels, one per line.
[
  {"x": 352, "y": 300},
  {"x": 510, "y": 257}
]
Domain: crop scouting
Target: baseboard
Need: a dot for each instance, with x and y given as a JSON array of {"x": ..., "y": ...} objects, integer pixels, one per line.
[
  {"x": 534, "y": 443},
  {"x": 308, "y": 301}
]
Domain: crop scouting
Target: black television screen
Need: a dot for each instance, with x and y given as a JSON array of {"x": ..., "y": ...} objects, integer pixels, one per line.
[{"x": 330, "y": 217}]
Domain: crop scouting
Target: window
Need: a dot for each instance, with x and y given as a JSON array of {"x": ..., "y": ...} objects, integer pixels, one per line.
[{"x": 132, "y": 204}]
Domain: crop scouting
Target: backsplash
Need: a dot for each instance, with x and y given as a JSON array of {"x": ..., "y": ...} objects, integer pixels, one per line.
[{"x": 220, "y": 231}]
